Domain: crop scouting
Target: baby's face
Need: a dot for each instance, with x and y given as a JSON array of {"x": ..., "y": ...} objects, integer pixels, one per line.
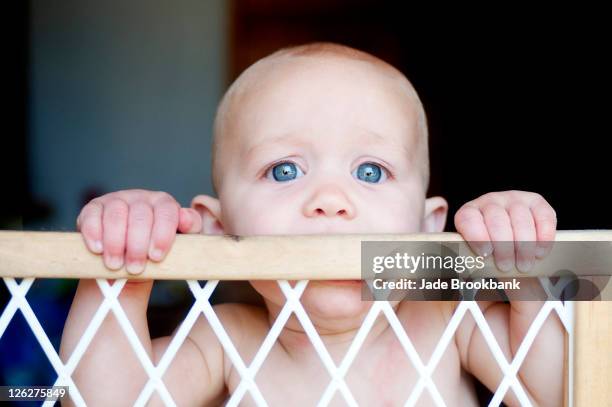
[{"x": 321, "y": 146}]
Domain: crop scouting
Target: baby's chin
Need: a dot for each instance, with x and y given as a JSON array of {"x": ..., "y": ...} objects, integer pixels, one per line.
[
  {"x": 335, "y": 299},
  {"x": 326, "y": 300}
]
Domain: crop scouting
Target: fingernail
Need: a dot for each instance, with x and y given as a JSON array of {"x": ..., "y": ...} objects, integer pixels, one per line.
[
  {"x": 114, "y": 262},
  {"x": 156, "y": 254},
  {"x": 486, "y": 249},
  {"x": 524, "y": 266},
  {"x": 505, "y": 265},
  {"x": 135, "y": 267},
  {"x": 97, "y": 246},
  {"x": 541, "y": 251}
]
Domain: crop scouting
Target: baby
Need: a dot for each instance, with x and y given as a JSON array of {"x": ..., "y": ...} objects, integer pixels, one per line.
[{"x": 315, "y": 139}]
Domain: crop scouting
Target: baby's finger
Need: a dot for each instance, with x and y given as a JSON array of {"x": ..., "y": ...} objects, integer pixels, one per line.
[
  {"x": 523, "y": 228},
  {"x": 546, "y": 226},
  {"x": 190, "y": 221},
  {"x": 165, "y": 223},
  {"x": 469, "y": 222},
  {"x": 89, "y": 223},
  {"x": 114, "y": 226},
  {"x": 500, "y": 230},
  {"x": 140, "y": 222}
]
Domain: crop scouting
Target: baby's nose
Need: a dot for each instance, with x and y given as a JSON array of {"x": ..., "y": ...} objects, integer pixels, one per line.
[{"x": 329, "y": 201}]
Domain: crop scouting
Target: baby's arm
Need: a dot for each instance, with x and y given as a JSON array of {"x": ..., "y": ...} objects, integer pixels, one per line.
[
  {"x": 126, "y": 227},
  {"x": 522, "y": 217}
]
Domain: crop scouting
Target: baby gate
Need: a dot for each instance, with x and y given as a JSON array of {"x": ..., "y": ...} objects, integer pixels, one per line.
[{"x": 31, "y": 255}]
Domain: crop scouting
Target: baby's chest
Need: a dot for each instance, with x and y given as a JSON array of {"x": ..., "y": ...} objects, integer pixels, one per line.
[{"x": 377, "y": 377}]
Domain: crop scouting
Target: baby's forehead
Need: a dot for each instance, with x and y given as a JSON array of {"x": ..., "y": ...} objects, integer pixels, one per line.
[
  {"x": 292, "y": 98},
  {"x": 320, "y": 94}
]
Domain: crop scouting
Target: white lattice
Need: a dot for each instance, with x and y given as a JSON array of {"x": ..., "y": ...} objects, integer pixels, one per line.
[{"x": 247, "y": 374}]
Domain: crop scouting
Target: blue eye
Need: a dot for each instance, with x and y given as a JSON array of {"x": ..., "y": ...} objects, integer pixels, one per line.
[
  {"x": 370, "y": 172},
  {"x": 286, "y": 171}
]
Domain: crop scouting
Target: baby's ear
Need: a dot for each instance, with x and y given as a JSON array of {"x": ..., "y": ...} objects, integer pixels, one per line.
[
  {"x": 209, "y": 209},
  {"x": 436, "y": 210}
]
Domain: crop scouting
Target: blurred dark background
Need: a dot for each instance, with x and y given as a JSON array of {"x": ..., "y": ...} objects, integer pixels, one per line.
[
  {"x": 101, "y": 96},
  {"x": 110, "y": 95}
]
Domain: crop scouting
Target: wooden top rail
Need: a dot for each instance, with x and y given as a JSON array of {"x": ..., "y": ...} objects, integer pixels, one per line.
[{"x": 64, "y": 255}]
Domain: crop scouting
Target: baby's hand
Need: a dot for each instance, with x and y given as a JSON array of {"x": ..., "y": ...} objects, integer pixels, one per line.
[
  {"x": 523, "y": 217},
  {"x": 127, "y": 226}
]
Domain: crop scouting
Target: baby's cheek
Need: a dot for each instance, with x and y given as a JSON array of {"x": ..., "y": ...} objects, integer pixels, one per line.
[
  {"x": 256, "y": 217},
  {"x": 265, "y": 223},
  {"x": 400, "y": 224},
  {"x": 392, "y": 214}
]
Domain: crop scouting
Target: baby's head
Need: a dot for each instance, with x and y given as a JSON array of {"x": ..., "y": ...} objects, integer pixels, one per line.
[{"x": 319, "y": 139}]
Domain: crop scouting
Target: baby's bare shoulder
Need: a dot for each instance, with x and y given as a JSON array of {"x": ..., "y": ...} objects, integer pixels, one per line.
[
  {"x": 246, "y": 325},
  {"x": 204, "y": 357}
]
